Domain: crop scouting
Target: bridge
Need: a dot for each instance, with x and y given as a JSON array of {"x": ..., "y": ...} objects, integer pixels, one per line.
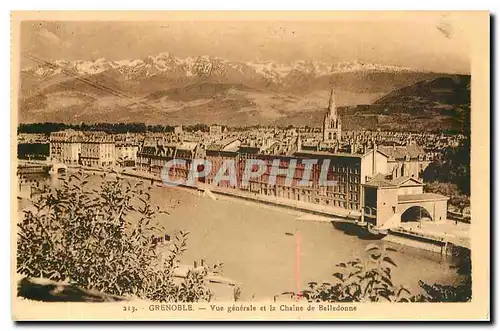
[
  {"x": 434, "y": 205},
  {"x": 410, "y": 207}
]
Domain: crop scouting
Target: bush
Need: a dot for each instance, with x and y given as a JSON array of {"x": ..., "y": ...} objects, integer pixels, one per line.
[
  {"x": 445, "y": 293},
  {"x": 371, "y": 281},
  {"x": 105, "y": 239},
  {"x": 358, "y": 281}
]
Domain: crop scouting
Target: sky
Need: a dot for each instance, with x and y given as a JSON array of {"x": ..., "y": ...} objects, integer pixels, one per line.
[{"x": 432, "y": 43}]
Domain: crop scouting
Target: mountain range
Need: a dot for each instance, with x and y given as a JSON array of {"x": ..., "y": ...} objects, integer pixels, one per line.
[{"x": 165, "y": 89}]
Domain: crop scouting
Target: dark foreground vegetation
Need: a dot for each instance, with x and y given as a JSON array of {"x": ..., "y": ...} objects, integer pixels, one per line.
[
  {"x": 370, "y": 280},
  {"x": 106, "y": 240}
]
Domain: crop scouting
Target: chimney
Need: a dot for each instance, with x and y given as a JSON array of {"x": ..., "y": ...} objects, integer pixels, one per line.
[{"x": 374, "y": 168}]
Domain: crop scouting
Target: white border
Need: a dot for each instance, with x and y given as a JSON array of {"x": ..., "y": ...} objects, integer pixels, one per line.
[{"x": 185, "y": 5}]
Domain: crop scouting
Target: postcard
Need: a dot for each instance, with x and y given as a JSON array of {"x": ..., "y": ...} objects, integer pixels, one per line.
[{"x": 318, "y": 165}]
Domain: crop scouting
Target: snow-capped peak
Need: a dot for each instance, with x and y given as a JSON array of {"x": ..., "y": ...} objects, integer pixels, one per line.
[{"x": 167, "y": 63}]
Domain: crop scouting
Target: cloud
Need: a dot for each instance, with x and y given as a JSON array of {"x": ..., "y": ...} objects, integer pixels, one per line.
[{"x": 48, "y": 36}]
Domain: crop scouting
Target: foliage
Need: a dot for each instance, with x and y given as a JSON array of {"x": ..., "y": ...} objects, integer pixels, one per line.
[
  {"x": 457, "y": 199},
  {"x": 197, "y": 127},
  {"x": 451, "y": 293},
  {"x": 371, "y": 281},
  {"x": 454, "y": 168},
  {"x": 358, "y": 281},
  {"x": 110, "y": 128},
  {"x": 236, "y": 293},
  {"x": 105, "y": 239},
  {"x": 445, "y": 293},
  {"x": 38, "y": 151}
]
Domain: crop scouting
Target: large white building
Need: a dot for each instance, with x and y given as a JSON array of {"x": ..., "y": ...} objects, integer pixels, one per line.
[
  {"x": 126, "y": 153},
  {"x": 98, "y": 151},
  {"x": 65, "y": 146}
]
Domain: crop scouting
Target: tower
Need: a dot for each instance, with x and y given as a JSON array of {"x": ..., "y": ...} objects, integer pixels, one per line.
[
  {"x": 299, "y": 143},
  {"x": 332, "y": 127}
]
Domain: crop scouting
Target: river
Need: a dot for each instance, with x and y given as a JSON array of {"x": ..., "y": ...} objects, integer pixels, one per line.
[{"x": 269, "y": 250}]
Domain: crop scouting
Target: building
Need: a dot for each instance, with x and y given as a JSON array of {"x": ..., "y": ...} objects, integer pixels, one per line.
[
  {"x": 29, "y": 174},
  {"x": 409, "y": 160},
  {"x": 187, "y": 152},
  {"x": 215, "y": 130},
  {"x": 332, "y": 126},
  {"x": 217, "y": 158},
  {"x": 228, "y": 144},
  {"x": 65, "y": 146},
  {"x": 126, "y": 153},
  {"x": 154, "y": 157},
  {"x": 389, "y": 201},
  {"x": 348, "y": 170},
  {"x": 178, "y": 130},
  {"x": 364, "y": 183},
  {"x": 98, "y": 151}
]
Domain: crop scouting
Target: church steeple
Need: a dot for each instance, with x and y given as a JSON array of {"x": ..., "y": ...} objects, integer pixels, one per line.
[
  {"x": 332, "y": 108},
  {"x": 332, "y": 127}
]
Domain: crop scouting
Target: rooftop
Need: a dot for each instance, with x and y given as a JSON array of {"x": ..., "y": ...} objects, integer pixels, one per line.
[
  {"x": 188, "y": 146},
  {"x": 400, "y": 152},
  {"x": 382, "y": 180},
  {"x": 421, "y": 197},
  {"x": 319, "y": 153}
]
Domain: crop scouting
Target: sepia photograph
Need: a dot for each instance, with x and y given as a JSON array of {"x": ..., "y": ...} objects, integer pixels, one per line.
[{"x": 250, "y": 165}]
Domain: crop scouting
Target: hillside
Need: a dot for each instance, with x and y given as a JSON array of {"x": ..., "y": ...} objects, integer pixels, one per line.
[{"x": 440, "y": 104}]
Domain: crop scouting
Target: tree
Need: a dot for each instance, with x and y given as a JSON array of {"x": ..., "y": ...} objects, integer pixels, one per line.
[
  {"x": 452, "y": 191},
  {"x": 105, "y": 239},
  {"x": 455, "y": 168}
]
